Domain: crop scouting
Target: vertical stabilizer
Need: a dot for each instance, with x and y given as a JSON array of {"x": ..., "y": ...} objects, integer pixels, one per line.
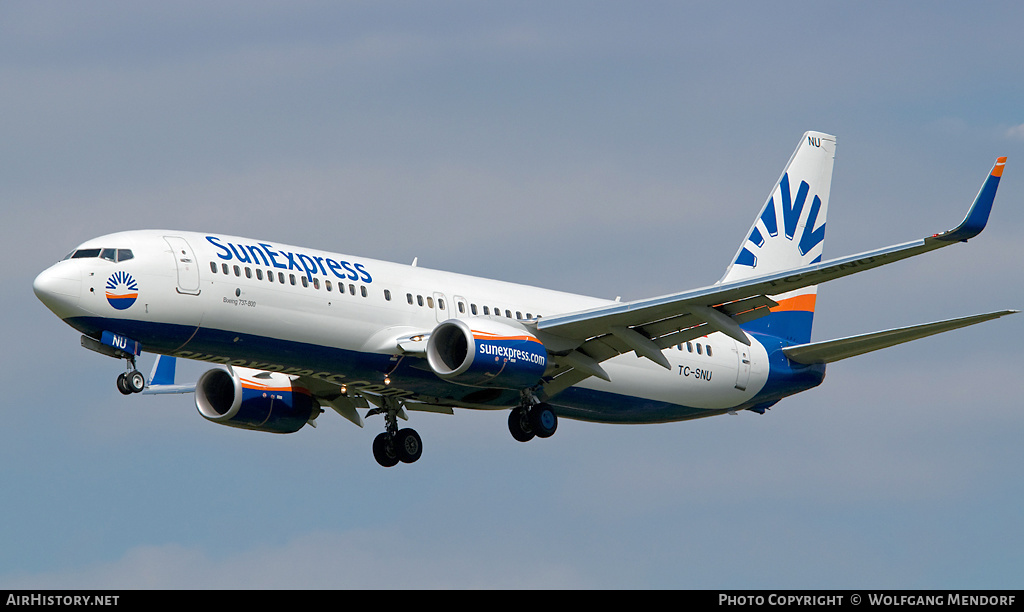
[{"x": 789, "y": 233}]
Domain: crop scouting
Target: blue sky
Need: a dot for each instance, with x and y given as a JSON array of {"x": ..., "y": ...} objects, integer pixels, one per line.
[{"x": 608, "y": 149}]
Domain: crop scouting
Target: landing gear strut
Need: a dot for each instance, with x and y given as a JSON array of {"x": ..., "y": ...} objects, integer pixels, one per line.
[{"x": 395, "y": 445}]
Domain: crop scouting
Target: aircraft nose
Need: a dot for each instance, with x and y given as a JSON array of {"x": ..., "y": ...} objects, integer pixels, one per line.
[{"x": 59, "y": 287}]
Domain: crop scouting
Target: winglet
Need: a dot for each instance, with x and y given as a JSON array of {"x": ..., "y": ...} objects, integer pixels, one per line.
[
  {"x": 163, "y": 371},
  {"x": 977, "y": 216},
  {"x": 161, "y": 379}
]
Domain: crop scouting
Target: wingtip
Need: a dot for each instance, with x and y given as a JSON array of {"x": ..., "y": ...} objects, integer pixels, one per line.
[
  {"x": 997, "y": 170},
  {"x": 977, "y": 216}
]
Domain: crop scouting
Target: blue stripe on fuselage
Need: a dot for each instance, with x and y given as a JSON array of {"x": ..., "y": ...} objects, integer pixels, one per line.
[
  {"x": 366, "y": 372},
  {"x": 791, "y": 326},
  {"x": 785, "y": 377}
]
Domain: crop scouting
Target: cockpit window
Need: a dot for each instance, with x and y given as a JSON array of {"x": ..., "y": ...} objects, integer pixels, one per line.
[{"x": 115, "y": 255}]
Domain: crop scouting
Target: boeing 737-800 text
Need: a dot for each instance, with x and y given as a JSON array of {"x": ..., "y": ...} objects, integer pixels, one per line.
[{"x": 294, "y": 330}]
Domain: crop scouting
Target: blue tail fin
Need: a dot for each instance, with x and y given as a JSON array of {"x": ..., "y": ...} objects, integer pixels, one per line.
[{"x": 789, "y": 233}]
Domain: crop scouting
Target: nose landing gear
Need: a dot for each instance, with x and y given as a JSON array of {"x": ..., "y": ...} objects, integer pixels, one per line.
[
  {"x": 120, "y": 347},
  {"x": 132, "y": 380}
]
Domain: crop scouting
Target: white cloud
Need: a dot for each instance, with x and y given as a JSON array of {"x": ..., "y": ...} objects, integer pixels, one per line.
[
  {"x": 323, "y": 560},
  {"x": 1016, "y": 132}
]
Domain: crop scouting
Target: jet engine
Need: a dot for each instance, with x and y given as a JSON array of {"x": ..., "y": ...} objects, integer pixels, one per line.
[
  {"x": 479, "y": 352},
  {"x": 257, "y": 400}
]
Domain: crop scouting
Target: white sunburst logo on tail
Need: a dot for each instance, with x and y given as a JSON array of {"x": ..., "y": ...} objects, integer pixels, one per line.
[
  {"x": 122, "y": 290},
  {"x": 766, "y": 236}
]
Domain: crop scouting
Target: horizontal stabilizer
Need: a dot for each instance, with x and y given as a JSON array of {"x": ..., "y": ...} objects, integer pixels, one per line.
[{"x": 834, "y": 350}]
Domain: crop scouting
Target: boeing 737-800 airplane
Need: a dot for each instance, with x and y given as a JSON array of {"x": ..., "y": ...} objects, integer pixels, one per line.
[{"x": 294, "y": 330}]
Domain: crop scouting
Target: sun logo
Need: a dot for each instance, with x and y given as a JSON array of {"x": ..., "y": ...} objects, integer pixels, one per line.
[
  {"x": 787, "y": 208},
  {"x": 122, "y": 290}
]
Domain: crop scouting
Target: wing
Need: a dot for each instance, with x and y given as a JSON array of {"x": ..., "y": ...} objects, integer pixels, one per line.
[
  {"x": 344, "y": 402},
  {"x": 834, "y": 350},
  {"x": 580, "y": 341},
  {"x": 326, "y": 393}
]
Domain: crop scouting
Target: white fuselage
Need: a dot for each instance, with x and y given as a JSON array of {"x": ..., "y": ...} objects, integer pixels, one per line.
[{"x": 269, "y": 306}]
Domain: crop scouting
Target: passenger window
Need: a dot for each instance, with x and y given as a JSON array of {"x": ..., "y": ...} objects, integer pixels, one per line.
[
  {"x": 224, "y": 268},
  {"x": 508, "y": 313},
  {"x": 472, "y": 308},
  {"x": 280, "y": 277},
  {"x": 213, "y": 267},
  {"x": 259, "y": 274},
  {"x": 291, "y": 278},
  {"x": 408, "y": 296},
  {"x": 351, "y": 289},
  {"x": 519, "y": 315},
  {"x": 362, "y": 290},
  {"x": 708, "y": 347},
  {"x": 387, "y": 294},
  {"x": 305, "y": 282},
  {"x": 698, "y": 349},
  {"x": 248, "y": 272},
  {"x": 689, "y": 347},
  {"x": 440, "y": 303},
  {"x": 430, "y": 302},
  {"x": 419, "y": 300},
  {"x": 327, "y": 285},
  {"x": 487, "y": 310},
  {"x": 462, "y": 308},
  {"x": 238, "y": 271}
]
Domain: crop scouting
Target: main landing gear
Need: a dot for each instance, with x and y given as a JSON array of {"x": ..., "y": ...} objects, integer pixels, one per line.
[
  {"x": 131, "y": 381},
  {"x": 528, "y": 421},
  {"x": 395, "y": 445}
]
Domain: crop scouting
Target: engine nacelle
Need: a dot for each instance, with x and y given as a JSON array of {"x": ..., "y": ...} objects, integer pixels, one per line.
[
  {"x": 479, "y": 352},
  {"x": 261, "y": 401}
]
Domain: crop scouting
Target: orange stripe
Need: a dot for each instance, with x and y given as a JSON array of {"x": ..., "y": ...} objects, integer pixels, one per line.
[
  {"x": 479, "y": 335},
  {"x": 267, "y": 389},
  {"x": 997, "y": 170},
  {"x": 799, "y": 302}
]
